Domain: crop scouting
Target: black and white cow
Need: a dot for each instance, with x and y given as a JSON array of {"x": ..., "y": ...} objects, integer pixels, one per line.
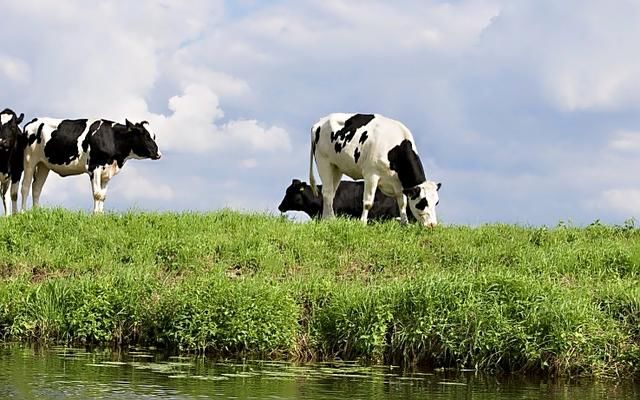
[
  {"x": 97, "y": 147},
  {"x": 379, "y": 150},
  {"x": 10, "y": 157},
  {"x": 347, "y": 201}
]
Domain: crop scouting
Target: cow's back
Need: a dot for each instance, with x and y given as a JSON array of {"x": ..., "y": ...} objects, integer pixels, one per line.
[{"x": 359, "y": 144}]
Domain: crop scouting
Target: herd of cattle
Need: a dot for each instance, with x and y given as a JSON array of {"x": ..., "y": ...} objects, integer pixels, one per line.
[{"x": 379, "y": 150}]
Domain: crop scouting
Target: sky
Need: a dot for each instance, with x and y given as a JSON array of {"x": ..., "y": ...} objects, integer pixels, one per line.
[{"x": 527, "y": 111}]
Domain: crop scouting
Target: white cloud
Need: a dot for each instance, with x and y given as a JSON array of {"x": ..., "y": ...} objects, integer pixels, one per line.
[
  {"x": 578, "y": 53},
  {"x": 248, "y": 163},
  {"x": 221, "y": 83},
  {"x": 623, "y": 201},
  {"x": 15, "y": 69},
  {"x": 193, "y": 126},
  {"x": 627, "y": 141},
  {"x": 131, "y": 184},
  {"x": 58, "y": 191},
  {"x": 110, "y": 66}
]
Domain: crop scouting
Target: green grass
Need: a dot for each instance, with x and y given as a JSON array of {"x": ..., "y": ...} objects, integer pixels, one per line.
[{"x": 562, "y": 300}]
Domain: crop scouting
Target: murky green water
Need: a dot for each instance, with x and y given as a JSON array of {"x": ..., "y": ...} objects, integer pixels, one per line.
[{"x": 62, "y": 373}]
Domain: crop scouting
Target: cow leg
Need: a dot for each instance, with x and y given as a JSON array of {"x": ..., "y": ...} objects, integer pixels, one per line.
[
  {"x": 104, "y": 182},
  {"x": 4, "y": 192},
  {"x": 402, "y": 205},
  {"x": 38, "y": 181},
  {"x": 14, "y": 196},
  {"x": 330, "y": 176},
  {"x": 29, "y": 170},
  {"x": 370, "y": 186},
  {"x": 98, "y": 193}
]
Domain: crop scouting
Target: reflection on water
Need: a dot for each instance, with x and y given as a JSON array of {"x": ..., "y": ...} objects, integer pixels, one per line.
[{"x": 63, "y": 373}]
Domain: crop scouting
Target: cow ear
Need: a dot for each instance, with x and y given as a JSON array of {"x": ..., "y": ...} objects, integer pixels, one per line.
[
  {"x": 438, "y": 186},
  {"x": 144, "y": 123},
  {"x": 128, "y": 123},
  {"x": 20, "y": 118}
]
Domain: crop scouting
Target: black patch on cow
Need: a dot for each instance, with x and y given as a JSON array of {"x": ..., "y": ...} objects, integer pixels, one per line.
[
  {"x": 363, "y": 137},
  {"x": 38, "y": 137},
  {"x": 11, "y": 149},
  {"x": 92, "y": 129},
  {"x": 315, "y": 141},
  {"x": 17, "y": 164},
  {"x": 30, "y": 138},
  {"x": 299, "y": 197},
  {"x": 413, "y": 193},
  {"x": 62, "y": 147},
  {"x": 407, "y": 164},
  {"x": 356, "y": 155},
  {"x": 345, "y": 134},
  {"x": 108, "y": 142},
  {"x": 422, "y": 204}
]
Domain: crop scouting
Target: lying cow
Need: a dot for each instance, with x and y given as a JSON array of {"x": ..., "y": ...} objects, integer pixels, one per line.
[
  {"x": 10, "y": 157},
  {"x": 71, "y": 147},
  {"x": 379, "y": 150},
  {"x": 346, "y": 203}
]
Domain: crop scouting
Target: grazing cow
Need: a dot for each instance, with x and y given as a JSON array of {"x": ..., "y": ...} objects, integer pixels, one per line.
[
  {"x": 379, "y": 150},
  {"x": 347, "y": 201},
  {"x": 97, "y": 147},
  {"x": 10, "y": 157}
]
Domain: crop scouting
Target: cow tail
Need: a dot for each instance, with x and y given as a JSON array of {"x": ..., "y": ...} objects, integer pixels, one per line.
[{"x": 312, "y": 179}]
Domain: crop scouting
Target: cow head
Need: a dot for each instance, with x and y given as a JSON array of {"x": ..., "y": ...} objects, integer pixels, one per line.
[
  {"x": 143, "y": 143},
  {"x": 299, "y": 197},
  {"x": 9, "y": 130},
  {"x": 423, "y": 200}
]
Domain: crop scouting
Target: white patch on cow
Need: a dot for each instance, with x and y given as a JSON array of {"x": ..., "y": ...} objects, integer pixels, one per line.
[
  {"x": 110, "y": 170},
  {"x": 4, "y": 118},
  {"x": 134, "y": 156}
]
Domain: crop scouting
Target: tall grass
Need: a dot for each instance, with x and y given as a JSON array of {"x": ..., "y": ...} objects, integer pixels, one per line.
[{"x": 561, "y": 300}]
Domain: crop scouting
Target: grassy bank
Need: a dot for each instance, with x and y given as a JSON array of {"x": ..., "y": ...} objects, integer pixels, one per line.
[{"x": 499, "y": 297}]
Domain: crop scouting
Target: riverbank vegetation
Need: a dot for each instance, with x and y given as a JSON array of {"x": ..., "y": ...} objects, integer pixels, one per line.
[{"x": 560, "y": 300}]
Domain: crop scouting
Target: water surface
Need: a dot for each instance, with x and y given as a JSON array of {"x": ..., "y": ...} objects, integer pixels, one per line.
[{"x": 64, "y": 373}]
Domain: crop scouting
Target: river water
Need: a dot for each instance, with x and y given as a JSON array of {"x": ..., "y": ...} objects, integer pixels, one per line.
[{"x": 64, "y": 373}]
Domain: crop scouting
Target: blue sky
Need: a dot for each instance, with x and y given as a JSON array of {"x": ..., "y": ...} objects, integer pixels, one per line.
[{"x": 526, "y": 111}]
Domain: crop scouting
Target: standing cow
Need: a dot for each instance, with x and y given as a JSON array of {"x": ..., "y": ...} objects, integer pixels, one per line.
[
  {"x": 347, "y": 201},
  {"x": 10, "y": 157},
  {"x": 71, "y": 147},
  {"x": 379, "y": 150}
]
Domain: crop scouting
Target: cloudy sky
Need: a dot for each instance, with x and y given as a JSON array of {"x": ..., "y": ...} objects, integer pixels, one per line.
[{"x": 527, "y": 111}]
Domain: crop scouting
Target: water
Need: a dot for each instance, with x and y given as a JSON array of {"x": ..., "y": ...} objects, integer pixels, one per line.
[{"x": 63, "y": 373}]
